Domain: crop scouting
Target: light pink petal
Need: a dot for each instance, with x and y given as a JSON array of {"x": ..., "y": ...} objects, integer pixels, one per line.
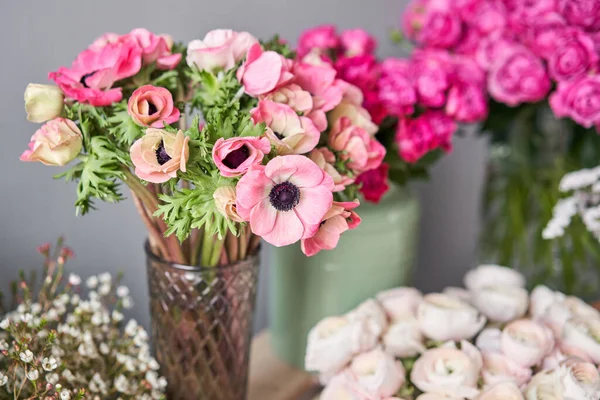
[
  {"x": 329, "y": 235},
  {"x": 263, "y": 74},
  {"x": 263, "y": 217},
  {"x": 309, "y": 247},
  {"x": 280, "y": 169},
  {"x": 288, "y": 229},
  {"x": 253, "y": 187},
  {"x": 314, "y": 204},
  {"x": 305, "y": 172}
]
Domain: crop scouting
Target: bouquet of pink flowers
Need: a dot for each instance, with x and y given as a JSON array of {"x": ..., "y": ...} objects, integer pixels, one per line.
[
  {"x": 490, "y": 341},
  {"x": 273, "y": 150}
]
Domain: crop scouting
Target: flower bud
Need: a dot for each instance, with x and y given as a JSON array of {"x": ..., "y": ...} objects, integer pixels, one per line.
[{"x": 43, "y": 102}]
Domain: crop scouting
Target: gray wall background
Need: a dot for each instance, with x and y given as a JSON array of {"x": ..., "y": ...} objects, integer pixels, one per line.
[{"x": 39, "y": 36}]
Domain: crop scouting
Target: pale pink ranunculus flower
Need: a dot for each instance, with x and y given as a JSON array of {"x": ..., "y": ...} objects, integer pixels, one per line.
[
  {"x": 527, "y": 342},
  {"x": 572, "y": 56},
  {"x": 541, "y": 299},
  {"x": 498, "y": 368},
  {"x": 518, "y": 76},
  {"x": 220, "y": 49},
  {"x": 400, "y": 302},
  {"x": 492, "y": 275},
  {"x": 489, "y": 340},
  {"x": 340, "y": 218},
  {"x": 344, "y": 386},
  {"x": 435, "y": 396},
  {"x": 378, "y": 373},
  {"x": 152, "y": 106},
  {"x": 404, "y": 338},
  {"x": 443, "y": 318},
  {"x": 581, "y": 378},
  {"x": 264, "y": 71},
  {"x": 286, "y": 130},
  {"x": 334, "y": 341},
  {"x": 370, "y": 310},
  {"x": 458, "y": 292},
  {"x": 358, "y": 116},
  {"x": 362, "y": 152},
  {"x": 502, "y": 391},
  {"x": 57, "y": 143},
  {"x": 562, "y": 352},
  {"x": 447, "y": 371},
  {"x": 320, "y": 40},
  {"x": 583, "y": 13},
  {"x": 294, "y": 96},
  {"x": 357, "y": 42},
  {"x": 286, "y": 200},
  {"x": 326, "y": 160},
  {"x": 501, "y": 303},
  {"x": 234, "y": 156},
  {"x": 545, "y": 385},
  {"x": 582, "y": 334},
  {"x": 159, "y": 154},
  {"x": 579, "y": 100}
]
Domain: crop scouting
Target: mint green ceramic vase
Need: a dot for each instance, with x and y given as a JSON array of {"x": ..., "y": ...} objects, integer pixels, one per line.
[{"x": 378, "y": 255}]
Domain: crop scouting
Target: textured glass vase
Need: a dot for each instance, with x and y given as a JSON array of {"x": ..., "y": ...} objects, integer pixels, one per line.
[
  {"x": 377, "y": 255},
  {"x": 202, "y": 326}
]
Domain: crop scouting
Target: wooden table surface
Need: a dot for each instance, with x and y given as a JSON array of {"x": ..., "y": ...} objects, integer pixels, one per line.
[{"x": 272, "y": 379}]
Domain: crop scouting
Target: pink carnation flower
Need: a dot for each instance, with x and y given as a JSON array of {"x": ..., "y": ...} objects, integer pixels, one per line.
[
  {"x": 95, "y": 70},
  {"x": 320, "y": 40},
  {"x": 235, "y": 156},
  {"x": 579, "y": 100},
  {"x": 338, "y": 220},
  {"x": 286, "y": 200},
  {"x": 152, "y": 106},
  {"x": 417, "y": 137},
  {"x": 357, "y": 42},
  {"x": 361, "y": 150},
  {"x": 264, "y": 71},
  {"x": 287, "y": 131},
  {"x": 373, "y": 184}
]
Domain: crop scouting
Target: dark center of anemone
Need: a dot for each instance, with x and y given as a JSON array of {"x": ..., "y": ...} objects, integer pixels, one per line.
[
  {"x": 284, "y": 196},
  {"x": 236, "y": 157},
  {"x": 84, "y": 77},
  {"x": 279, "y": 135},
  {"x": 151, "y": 108},
  {"x": 161, "y": 154}
]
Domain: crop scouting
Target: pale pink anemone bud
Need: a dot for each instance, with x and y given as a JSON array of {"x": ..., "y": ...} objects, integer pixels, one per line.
[
  {"x": 358, "y": 116},
  {"x": 499, "y": 368},
  {"x": 225, "y": 198},
  {"x": 583, "y": 334},
  {"x": 448, "y": 371},
  {"x": 344, "y": 386},
  {"x": 502, "y": 391},
  {"x": 159, "y": 154},
  {"x": 378, "y": 373},
  {"x": 492, "y": 275},
  {"x": 43, "y": 102},
  {"x": 236, "y": 155},
  {"x": 339, "y": 219},
  {"x": 443, "y": 318},
  {"x": 501, "y": 303},
  {"x": 288, "y": 132},
  {"x": 264, "y": 71},
  {"x": 57, "y": 143},
  {"x": 325, "y": 159},
  {"x": 220, "y": 49},
  {"x": 363, "y": 152},
  {"x": 152, "y": 106},
  {"x": 404, "y": 338},
  {"x": 400, "y": 302},
  {"x": 286, "y": 200},
  {"x": 334, "y": 341},
  {"x": 527, "y": 342},
  {"x": 294, "y": 96}
]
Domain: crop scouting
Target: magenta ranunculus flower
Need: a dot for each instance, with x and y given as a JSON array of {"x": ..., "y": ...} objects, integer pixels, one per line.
[
  {"x": 338, "y": 220},
  {"x": 361, "y": 71},
  {"x": 152, "y": 106},
  {"x": 417, "y": 137},
  {"x": 95, "y": 70},
  {"x": 286, "y": 200},
  {"x": 287, "y": 131},
  {"x": 396, "y": 89},
  {"x": 320, "y": 39},
  {"x": 264, "y": 71},
  {"x": 432, "y": 23},
  {"x": 431, "y": 70},
  {"x": 579, "y": 100},
  {"x": 584, "y": 13},
  {"x": 489, "y": 49},
  {"x": 357, "y": 42},
  {"x": 220, "y": 49},
  {"x": 518, "y": 76},
  {"x": 487, "y": 17},
  {"x": 573, "y": 54},
  {"x": 373, "y": 184},
  {"x": 361, "y": 150},
  {"x": 234, "y": 156},
  {"x": 467, "y": 103}
]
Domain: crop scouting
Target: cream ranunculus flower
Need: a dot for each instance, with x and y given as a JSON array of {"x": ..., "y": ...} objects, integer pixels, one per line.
[
  {"x": 400, "y": 302},
  {"x": 443, "y": 318},
  {"x": 500, "y": 303},
  {"x": 378, "y": 373},
  {"x": 527, "y": 342},
  {"x": 334, "y": 341},
  {"x": 581, "y": 379},
  {"x": 583, "y": 334},
  {"x": 404, "y": 338},
  {"x": 43, "y": 102},
  {"x": 448, "y": 371},
  {"x": 357, "y": 115},
  {"x": 371, "y": 312},
  {"x": 492, "y": 275},
  {"x": 502, "y": 391},
  {"x": 224, "y": 198},
  {"x": 545, "y": 386},
  {"x": 56, "y": 143}
]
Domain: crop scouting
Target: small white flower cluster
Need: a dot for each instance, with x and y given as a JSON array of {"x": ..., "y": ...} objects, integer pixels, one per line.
[
  {"x": 585, "y": 202},
  {"x": 71, "y": 347}
]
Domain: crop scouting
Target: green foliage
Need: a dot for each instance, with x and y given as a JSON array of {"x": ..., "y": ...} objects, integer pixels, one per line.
[
  {"x": 280, "y": 46},
  {"x": 122, "y": 127},
  {"x": 188, "y": 209}
]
